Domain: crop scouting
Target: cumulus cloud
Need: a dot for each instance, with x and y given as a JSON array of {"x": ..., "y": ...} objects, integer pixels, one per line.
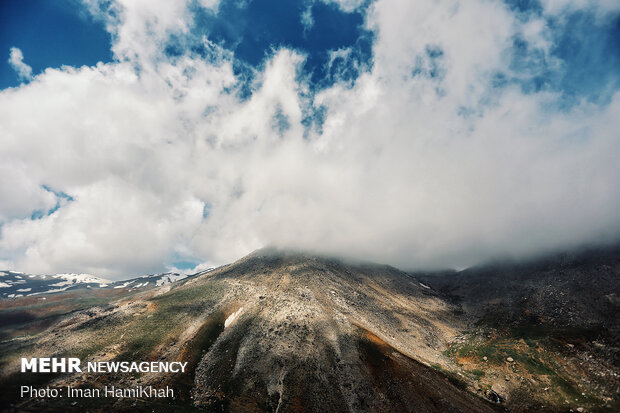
[
  {"x": 16, "y": 60},
  {"x": 426, "y": 160}
]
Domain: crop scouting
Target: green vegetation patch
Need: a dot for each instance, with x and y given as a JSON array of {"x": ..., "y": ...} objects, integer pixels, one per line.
[
  {"x": 477, "y": 373},
  {"x": 161, "y": 320},
  {"x": 530, "y": 356}
]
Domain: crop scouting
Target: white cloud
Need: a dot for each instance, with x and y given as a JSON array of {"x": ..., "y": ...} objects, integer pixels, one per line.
[
  {"x": 210, "y": 4},
  {"x": 110, "y": 218},
  {"x": 410, "y": 169},
  {"x": 347, "y": 6},
  {"x": 16, "y": 60},
  {"x": 307, "y": 20}
]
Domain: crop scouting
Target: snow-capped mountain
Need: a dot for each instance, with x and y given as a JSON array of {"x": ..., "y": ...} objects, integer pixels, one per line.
[
  {"x": 152, "y": 280},
  {"x": 16, "y": 284}
]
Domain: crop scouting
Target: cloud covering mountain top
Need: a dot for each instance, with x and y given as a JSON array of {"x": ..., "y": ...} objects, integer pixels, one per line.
[{"x": 461, "y": 135}]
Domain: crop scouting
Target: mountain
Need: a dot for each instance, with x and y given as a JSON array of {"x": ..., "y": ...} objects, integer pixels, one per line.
[
  {"x": 556, "y": 317},
  {"x": 16, "y": 284},
  {"x": 29, "y": 303},
  {"x": 285, "y": 331},
  {"x": 573, "y": 289},
  {"x": 148, "y": 281}
]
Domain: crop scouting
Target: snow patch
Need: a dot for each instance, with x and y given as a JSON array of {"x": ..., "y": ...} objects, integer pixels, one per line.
[
  {"x": 82, "y": 278},
  {"x": 169, "y": 278},
  {"x": 55, "y": 290},
  {"x": 24, "y": 290},
  {"x": 232, "y": 317},
  {"x": 60, "y": 284},
  {"x": 4, "y": 285},
  {"x": 424, "y": 285}
]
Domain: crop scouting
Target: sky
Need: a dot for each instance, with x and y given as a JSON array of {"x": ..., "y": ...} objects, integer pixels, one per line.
[{"x": 143, "y": 136}]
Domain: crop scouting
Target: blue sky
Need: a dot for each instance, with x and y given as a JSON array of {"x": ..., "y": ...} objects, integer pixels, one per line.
[
  {"x": 55, "y": 33},
  {"x": 143, "y": 136},
  {"x": 253, "y": 31},
  {"x": 50, "y": 34},
  {"x": 591, "y": 53},
  {"x": 588, "y": 49}
]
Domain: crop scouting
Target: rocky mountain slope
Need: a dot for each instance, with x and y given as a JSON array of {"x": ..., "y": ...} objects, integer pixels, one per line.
[
  {"x": 280, "y": 331},
  {"x": 571, "y": 289},
  {"x": 32, "y": 303},
  {"x": 556, "y": 318}
]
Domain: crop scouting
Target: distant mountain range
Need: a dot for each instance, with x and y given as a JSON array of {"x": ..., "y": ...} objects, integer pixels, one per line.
[{"x": 17, "y": 284}]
